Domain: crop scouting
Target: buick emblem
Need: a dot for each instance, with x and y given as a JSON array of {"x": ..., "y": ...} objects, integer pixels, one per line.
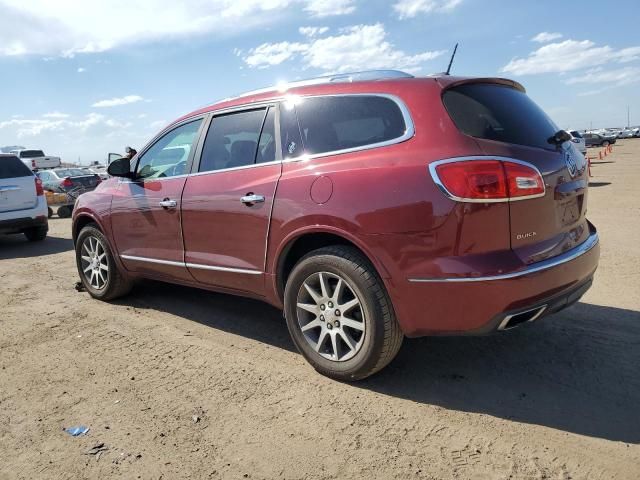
[{"x": 571, "y": 163}]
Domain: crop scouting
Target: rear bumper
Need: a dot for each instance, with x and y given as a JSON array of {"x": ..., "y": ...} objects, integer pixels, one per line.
[
  {"x": 19, "y": 220},
  {"x": 479, "y": 305},
  {"x": 19, "y": 225}
]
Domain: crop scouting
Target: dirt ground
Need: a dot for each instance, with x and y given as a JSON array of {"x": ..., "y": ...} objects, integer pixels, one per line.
[{"x": 181, "y": 383}]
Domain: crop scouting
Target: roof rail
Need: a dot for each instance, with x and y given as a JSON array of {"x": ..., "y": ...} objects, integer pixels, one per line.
[{"x": 364, "y": 76}]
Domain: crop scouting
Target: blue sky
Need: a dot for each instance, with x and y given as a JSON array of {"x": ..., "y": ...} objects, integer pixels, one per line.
[{"x": 80, "y": 79}]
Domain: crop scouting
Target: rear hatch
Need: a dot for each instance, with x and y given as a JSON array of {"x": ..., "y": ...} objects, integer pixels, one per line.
[
  {"x": 17, "y": 185},
  {"x": 505, "y": 122}
]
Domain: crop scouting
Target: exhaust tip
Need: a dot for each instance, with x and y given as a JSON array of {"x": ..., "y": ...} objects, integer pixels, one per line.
[{"x": 516, "y": 319}]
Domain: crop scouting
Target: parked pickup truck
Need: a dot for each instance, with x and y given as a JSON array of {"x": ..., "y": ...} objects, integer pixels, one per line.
[{"x": 36, "y": 159}]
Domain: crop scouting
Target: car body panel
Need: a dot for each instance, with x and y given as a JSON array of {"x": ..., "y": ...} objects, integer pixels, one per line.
[{"x": 382, "y": 200}]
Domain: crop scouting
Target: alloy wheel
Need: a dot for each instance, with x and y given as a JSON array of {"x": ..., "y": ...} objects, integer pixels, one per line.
[
  {"x": 95, "y": 266},
  {"x": 331, "y": 316}
]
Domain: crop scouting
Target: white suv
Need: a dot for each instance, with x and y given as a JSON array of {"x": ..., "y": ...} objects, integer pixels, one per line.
[{"x": 23, "y": 206}]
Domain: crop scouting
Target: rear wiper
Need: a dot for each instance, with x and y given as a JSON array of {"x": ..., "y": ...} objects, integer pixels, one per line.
[{"x": 559, "y": 137}]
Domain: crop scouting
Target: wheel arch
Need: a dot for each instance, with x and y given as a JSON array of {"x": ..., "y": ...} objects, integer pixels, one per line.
[
  {"x": 300, "y": 243},
  {"x": 82, "y": 220}
]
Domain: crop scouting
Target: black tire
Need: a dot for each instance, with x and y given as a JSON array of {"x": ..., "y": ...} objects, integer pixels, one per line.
[
  {"x": 49, "y": 212},
  {"x": 382, "y": 335},
  {"x": 64, "y": 212},
  {"x": 36, "y": 234},
  {"x": 116, "y": 283},
  {"x": 605, "y": 143}
]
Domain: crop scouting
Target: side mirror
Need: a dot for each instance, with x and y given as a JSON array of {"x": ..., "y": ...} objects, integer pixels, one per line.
[{"x": 120, "y": 168}]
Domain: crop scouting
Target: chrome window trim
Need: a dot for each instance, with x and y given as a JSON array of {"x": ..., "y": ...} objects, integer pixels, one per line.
[
  {"x": 436, "y": 178},
  {"x": 232, "y": 169},
  {"x": 406, "y": 115},
  {"x": 404, "y": 110},
  {"x": 563, "y": 258},
  {"x": 190, "y": 265}
]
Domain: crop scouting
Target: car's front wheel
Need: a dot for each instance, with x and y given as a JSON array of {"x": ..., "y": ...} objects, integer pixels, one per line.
[
  {"x": 97, "y": 268},
  {"x": 339, "y": 314}
]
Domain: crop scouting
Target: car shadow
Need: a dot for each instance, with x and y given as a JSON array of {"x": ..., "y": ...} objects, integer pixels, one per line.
[
  {"x": 17, "y": 246},
  {"x": 576, "y": 371},
  {"x": 599, "y": 184}
]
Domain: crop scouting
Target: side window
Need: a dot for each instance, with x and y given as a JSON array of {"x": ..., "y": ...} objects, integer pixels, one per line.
[
  {"x": 290, "y": 131},
  {"x": 44, "y": 176},
  {"x": 168, "y": 156},
  {"x": 267, "y": 143},
  {"x": 329, "y": 124},
  {"x": 232, "y": 140}
]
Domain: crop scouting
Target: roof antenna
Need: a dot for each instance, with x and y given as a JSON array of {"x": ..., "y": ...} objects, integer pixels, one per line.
[{"x": 455, "y": 49}]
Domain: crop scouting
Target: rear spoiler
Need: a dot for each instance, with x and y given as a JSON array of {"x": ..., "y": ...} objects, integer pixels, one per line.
[{"x": 450, "y": 82}]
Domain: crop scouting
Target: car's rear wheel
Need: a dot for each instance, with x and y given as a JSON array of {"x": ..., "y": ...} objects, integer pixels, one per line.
[
  {"x": 339, "y": 314},
  {"x": 64, "y": 212},
  {"x": 605, "y": 143},
  {"x": 36, "y": 234},
  {"x": 97, "y": 268}
]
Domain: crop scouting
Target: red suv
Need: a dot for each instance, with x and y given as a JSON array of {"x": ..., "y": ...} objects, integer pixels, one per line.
[{"x": 367, "y": 206}]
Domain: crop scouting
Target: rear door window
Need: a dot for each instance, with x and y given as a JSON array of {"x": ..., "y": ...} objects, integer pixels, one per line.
[
  {"x": 12, "y": 167},
  {"x": 500, "y": 113},
  {"x": 331, "y": 124},
  {"x": 232, "y": 141}
]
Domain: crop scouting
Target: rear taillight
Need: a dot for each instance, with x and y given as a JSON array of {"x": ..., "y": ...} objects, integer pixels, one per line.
[
  {"x": 39, "y": 189},
  {"x": 487, "y": 180},
  {"x": 67, "y": 182},
  {"x": 98, "y": 180}
]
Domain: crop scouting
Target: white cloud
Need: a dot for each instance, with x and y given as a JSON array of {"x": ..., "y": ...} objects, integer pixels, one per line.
[
  {"x": 81, "y": 69},
  {"x": 68, "y": 28},
  {"x": 616, "y": 77},
  {"x": 327, "y": 8},
  {"x": 411, "y": 8},
  {"x": 312, "y": 31},
  {"x": 358, "y": 47},
  {"x": 116, "y": 102},
  {"x": 567, "y": 56},
  {"x": 546, "y": 37},
  {"x": 269, "y": 54},
  {"x": 35, "y": 127},
  {"x": 56, "y": 115}
]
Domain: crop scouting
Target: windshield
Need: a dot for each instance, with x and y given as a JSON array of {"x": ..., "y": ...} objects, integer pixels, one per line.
[{"x": 31, "y": 153}]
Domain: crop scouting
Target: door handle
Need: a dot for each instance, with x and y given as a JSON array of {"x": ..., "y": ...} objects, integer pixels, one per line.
[
  {"x": 167, "y": 203},
  {"x": 252, "y": 198}
]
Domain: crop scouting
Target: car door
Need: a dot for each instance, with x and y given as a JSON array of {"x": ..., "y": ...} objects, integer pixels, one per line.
[
  {"x": 226, "y": 204},
  {"x": 145, "y": 211}
]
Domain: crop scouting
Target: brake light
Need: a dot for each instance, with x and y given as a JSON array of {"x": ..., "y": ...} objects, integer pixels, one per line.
[
  {"x": 489, "y": 180},
  {"x": 39, "y": 189},
  {"x": 67, "y": 182}
]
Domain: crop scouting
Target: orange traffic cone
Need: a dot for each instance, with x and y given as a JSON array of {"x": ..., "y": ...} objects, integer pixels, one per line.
[{"x": 600, "y": 155}]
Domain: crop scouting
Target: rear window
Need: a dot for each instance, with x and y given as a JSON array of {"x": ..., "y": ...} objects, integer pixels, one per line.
[
  {"x": 71, "y": 172},
  {"x": 12, "y": 167},
  {"x": 31, "y": 153},
  {"x": 330, "y": 124},
  {"x": 500, "y": 113}
]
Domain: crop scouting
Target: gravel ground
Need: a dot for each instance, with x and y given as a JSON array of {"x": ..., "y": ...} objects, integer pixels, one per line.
[{"x": 181, "y": 383}]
